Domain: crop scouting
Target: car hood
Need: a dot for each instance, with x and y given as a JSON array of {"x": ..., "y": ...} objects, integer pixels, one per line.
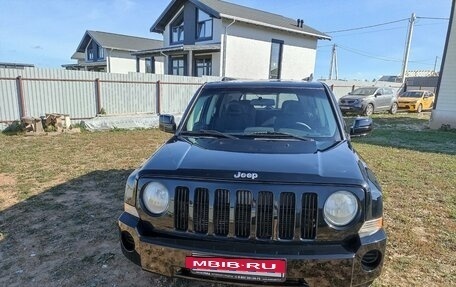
[
  {"x": 338, "y": 164},
  {"x": 354, "y": 97},
  {"x": 408, "y": 100}
]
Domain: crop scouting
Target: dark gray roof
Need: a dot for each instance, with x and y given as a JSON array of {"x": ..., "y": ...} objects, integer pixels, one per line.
[
  {"x": 15, "y": 65},
  {"x": 222, "y": 9},
  {"x": 118, "y": 41},
  {"x": 78, "y": 56}
]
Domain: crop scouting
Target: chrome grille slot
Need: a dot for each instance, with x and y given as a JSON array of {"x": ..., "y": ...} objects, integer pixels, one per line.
[
  {"x": 309, "y": 215},
  {"x": 221, "y": 212},
  {"x": 181, "y": 208},
  {"x": 286, "y": 215},
  {"x": 264, "y": 215},
  {"x": 201, "y": 210},
  {"x": 243, "y": 213}
]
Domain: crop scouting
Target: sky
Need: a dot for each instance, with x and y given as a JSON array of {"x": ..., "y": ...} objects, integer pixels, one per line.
[{"x": 47, "y": 32}]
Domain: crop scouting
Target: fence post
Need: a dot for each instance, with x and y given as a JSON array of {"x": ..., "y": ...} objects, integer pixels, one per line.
[
  {"x": 20, "y": 97},
  {"x": 98, "y": 95},
  {"x": 157, "y": 98},
  {"x": 353, "y": 88},
  {"x": 332, "y": 88}
]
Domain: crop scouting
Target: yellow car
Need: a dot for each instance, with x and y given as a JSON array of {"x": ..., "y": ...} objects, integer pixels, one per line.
[{"x": 416, "y": 100}]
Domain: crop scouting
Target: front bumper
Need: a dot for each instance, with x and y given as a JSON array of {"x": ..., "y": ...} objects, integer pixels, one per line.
[
  {"x": 308, "y": 264},
  {"x": 358, "y": 109},
  {"x": 412, "y": 106}
]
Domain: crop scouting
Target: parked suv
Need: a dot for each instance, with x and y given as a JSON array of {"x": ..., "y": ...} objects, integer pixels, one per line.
[
  {"x": 259, "y": 184},
  {"x": 368, "y": 100}
]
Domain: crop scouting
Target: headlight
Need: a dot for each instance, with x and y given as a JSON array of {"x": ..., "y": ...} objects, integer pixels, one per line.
[
  {"x": 156, "y": 197},
  {"x": 340, "y": 208}
]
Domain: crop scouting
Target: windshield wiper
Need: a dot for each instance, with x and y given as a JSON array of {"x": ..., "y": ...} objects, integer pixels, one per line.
[
  {"x": 213, "y": 133},
  {"x": 281, "y": 134}
]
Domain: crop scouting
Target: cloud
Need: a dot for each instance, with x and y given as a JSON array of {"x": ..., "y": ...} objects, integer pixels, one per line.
[{"x": 124, "y": 5}]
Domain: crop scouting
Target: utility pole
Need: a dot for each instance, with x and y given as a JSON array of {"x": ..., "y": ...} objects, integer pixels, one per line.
[
  {"x": 407, "y": 46},
  {"x": 333, "y": 64},
  {"x": 435, "y": 63}
]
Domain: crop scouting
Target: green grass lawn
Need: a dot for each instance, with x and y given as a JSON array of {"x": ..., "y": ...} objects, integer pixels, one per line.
[
  {"x": 417, "y": 169},
  {"x": 76, "y": 181}
]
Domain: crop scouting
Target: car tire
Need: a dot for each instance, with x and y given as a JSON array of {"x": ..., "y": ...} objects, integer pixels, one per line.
[
  {"x": 393, "y": 109},
  {"x": 369, "y": 110},
  {"x": 420, "y": 108}
]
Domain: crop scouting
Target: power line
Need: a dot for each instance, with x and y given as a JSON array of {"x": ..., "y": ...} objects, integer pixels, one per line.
[
  {"x": 365, "y": 54},
  {"x": 387, "y": 59},
  {"x": 433, "y": 18},
  {"x": 385, "y": 23},
  {"x": 366, "y": 27},
  {"x": 368, "y": 32}
]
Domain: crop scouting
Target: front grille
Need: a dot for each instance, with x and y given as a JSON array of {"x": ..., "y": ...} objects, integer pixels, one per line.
[
  {"x": 201, "y": 210},
  {"x": 222, "y": 212},
  {"x": 265, "y": 215},
  {"x": 243, "y": 213},
  {"x": 309, "y": 214},
  {"x": 287, "y": 215},
  {"x": 181, "y": 208}
]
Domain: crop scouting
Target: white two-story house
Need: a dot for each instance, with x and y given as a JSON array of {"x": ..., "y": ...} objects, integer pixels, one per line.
[
  {"x": 112, "y": 53},
  {"x": 218, "y": 38}
]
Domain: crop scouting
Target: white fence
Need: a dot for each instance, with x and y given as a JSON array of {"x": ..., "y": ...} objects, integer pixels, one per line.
[{"x": 33, "y": 92}]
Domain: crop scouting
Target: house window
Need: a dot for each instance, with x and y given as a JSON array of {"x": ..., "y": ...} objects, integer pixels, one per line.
[
  {"x": 90, "y": 55},
  {"x": 204, "y": 25},
  {"x": 91, "y": 51},
  {"x": 150, "y": 65},
  {"x": 203, "y": 66},
  {"x": 275, "y": 64},
  {"x": 178, "y": 66},
  {"x": 177, "y": 30},
  {"x": 100, "y": 52}
]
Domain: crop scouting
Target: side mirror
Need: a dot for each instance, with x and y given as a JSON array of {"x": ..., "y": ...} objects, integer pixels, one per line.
[
  {"x": 361, "y": 126},
  {"x": 167, "y": 124},
  {"x": 377, "y": 94}
]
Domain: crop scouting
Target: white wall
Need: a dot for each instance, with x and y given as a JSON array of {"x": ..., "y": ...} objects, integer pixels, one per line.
[
  {"x": 121, "y": 62},
  {"x": 216, "y": 60},
  {"x": 445, "y": 111},
  {"x": 248, "y": 52}
]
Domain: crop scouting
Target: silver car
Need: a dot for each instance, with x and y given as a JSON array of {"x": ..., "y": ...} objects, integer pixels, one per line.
[{"x": 367, "y": 100}]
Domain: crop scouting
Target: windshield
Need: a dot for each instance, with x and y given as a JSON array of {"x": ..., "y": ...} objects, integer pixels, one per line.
[
  {"x": 412, "y": 94},
  {"x": 363, "y": 91},
  {"x": 280, "y": 113}
]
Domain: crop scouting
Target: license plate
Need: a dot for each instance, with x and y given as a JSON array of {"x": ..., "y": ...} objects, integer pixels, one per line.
[
  {"x": 238, "y": 268},
  {"x": 344, "y": 108}
]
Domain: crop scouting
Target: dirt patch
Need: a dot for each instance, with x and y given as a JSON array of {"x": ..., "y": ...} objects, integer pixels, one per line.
[{"x": 7, "y": 180}]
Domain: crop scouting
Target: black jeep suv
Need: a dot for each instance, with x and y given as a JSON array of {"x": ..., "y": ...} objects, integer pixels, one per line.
[{"x": 259, "y": 184}]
